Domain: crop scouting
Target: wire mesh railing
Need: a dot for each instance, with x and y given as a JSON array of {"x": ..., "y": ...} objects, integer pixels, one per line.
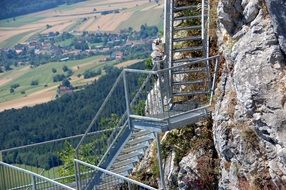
[
  {"x": 107, "y": 179},
  {"x": 51, "y": 159},
  {"x": 15, "y": 178}
]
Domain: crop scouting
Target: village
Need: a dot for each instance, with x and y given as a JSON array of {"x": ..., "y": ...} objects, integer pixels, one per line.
[{"x": 55, "y": 47}]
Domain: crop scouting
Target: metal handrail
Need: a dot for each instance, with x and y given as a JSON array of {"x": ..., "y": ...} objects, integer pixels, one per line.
[
  {"x": 114, "y": 174},
  {"x": 98, "y": 112},
  {"x": 53, "y": 141},
  {"x": 32, "y": 174}
]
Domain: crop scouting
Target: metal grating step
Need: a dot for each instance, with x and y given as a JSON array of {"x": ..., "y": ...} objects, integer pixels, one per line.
[
  {"x": 191, "y": 93},
  {"x": 141, "y": 133},
  {"x": 193, "y": 70},
  {"x": 179, "y": 28},
  {"x": 136, "y": 147},
  {"x": 183, "y": 8},
  {"x": 139, "y": 140},
  {"x": 187, "y": 60},
  {"x": 191, "y": 38},
  {"x": 189, "y": 82},
  {"x": 189, "y": 49},
  {"x": 124, "y": 163},
  {"x": 129, "y": 155},
  {"x": 188, "y": 17}
]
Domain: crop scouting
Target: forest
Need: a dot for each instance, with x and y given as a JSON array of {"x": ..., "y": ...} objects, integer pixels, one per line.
[{"x": 14, "y": 8}]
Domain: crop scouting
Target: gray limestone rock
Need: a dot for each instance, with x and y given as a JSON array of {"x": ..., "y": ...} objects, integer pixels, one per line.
[{"x": 250, "y": 116}]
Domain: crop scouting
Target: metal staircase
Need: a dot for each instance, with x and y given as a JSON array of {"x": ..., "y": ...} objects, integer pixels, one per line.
[
  {"x": 174, "y": 97},
  {"x": 187, "y": 42}
]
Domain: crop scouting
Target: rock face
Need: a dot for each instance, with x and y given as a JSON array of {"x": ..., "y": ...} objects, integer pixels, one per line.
[{"x": 250, "y": 114}]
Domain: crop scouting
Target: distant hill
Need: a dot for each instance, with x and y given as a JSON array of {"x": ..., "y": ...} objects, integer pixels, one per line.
[{"x": 14, "y": 8}]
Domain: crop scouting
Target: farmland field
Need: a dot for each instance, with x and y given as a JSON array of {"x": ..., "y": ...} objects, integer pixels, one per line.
[{"x": 83, "y": 16}]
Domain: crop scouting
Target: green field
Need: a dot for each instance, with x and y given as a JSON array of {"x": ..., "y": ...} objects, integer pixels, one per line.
[
  {"x": 149, "y": 17},
  {"x": 44, "y": 75},
  {"x": 11, "y": 42},
  {"x": 20, "y": 21}
]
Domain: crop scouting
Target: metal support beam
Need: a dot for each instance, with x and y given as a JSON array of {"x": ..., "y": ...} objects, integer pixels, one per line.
[
  {"x": 34, "y": 184},
  {"x": 128, "y": 110},
  {"x": 162, "y": 181},
  {"x": 77, "y": 175},
  {"x": 2, "y": 177},
  {"x": 203, "y": 19}
]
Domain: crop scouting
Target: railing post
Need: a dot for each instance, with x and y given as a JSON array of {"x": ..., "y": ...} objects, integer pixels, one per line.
[
  {"x": 163, "y": 186},
  {"x": 128, "y": 110},
  {"x": 166, "y": 20},
  {"x": 214, "y": 79},
  {"x": 208, "y": 29},
  {"x": 2, "y": 175},
  {"x": 33, "y": 180},
  {"x": 77, "y": 175},
  {"x": 203, "y": 19}
]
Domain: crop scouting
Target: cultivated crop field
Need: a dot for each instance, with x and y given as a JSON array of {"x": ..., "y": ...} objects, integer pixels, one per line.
[{"x": 84, "y": 16}]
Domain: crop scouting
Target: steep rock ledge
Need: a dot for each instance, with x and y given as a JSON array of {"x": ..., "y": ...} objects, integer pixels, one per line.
[{"x": 250, "y": 114}]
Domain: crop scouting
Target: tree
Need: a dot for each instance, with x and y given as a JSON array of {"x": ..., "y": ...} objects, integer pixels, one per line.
[
  {"x": 54, "y": 70},
  {"x": 14, "y": 86},
  {"x": 34, "y": 83},
  {"x": 66, "y": 83},
  {"x": 65, "y": 68},
  {"x": 48, "y": 26},
  {"x": 59, "y": 77},
  {"x": 12, "y": 90}
]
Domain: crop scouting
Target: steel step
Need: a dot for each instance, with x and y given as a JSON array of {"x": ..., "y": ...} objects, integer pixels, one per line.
[
  {"x": 179, "y": 28},
  {"x": 189, "y": 49},
  {"x": 139, "y": 140},
  {"x": 188, "y": 17},
  {"x": 124, "y": 163},
  {"x": 189, "y": 82},
  {"x": 187, "y": 38},
  {"x": 193, "y": 70},
  {"x": 129, "y": 155},
  {"x": 187, "y": 60},
  {"x": 183, "y": 8},
  {"x": 141, "y": 133},
  {"x": 190, "y": 93},
  {"x": 136, "y": 147}
]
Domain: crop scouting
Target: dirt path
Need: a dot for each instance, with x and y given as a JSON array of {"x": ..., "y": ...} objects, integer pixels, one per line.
[{"x": 128, "y": 63}]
